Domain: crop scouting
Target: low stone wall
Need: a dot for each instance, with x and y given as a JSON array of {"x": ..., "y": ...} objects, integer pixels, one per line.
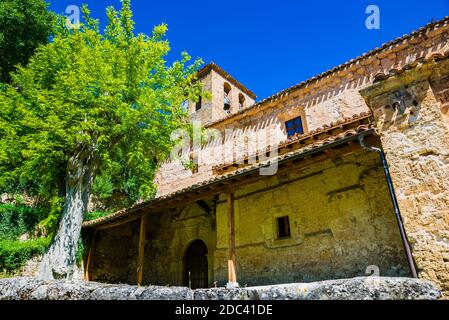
[
  {"x": 31, "y": 269},
  {"x": 362, "y": 288}
]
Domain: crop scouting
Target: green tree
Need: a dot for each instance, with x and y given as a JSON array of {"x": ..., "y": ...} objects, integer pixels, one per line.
[
  {"x": 90, "y": 104},
  {"x": 24, "y": 25}
]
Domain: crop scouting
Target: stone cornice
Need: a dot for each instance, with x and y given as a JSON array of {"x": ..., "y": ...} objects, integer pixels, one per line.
[
  {"x": 213, "y": 66},
  {"x": 366, "y": 67},
  {"x": 437, "y": 64}
]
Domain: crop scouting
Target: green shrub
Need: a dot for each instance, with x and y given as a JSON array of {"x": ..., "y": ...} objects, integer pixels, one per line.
[
  {"x": 51, "y": 221},
  {"x": 95, "y": 215},
  {"x": 18, "y": 219},
  {"x": 14, "y": 254},
  {"x": 103, "y": 187},
  {"x": 80, "y": 251}
]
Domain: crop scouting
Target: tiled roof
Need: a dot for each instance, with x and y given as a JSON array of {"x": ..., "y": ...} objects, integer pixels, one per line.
[
  {"x": 331, "y": 133},
  {"x": 394, "y": 71},
  {"x": 433, "y": 25},
  {"x": 213, "y": 66},
  {"x": 326, "y": 136}
]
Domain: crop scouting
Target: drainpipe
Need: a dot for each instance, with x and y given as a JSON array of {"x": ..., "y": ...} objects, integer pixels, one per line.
[{"x": 395, "y": 204}]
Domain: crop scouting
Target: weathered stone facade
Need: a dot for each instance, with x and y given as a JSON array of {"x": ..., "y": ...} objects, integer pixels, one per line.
[
  {"x": 340, "y": 213},
  {"x": 411, "y": 111},
  {"x": 368, "y": 288},
  {"x": 326, "y": 98},
  {"x": 340, "y": 219},
  {"x": 214, "y": 80},
  {"x": 341, "y": 223}
]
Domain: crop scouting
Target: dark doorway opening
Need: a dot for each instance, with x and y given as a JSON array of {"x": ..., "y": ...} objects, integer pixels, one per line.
[{"x": 195, "y": 265}]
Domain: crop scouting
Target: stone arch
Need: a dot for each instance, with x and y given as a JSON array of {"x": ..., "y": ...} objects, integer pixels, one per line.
[
  {"x": 191, "y": 224},
  {"x": 241, "y": 101},
  {"x": 227, "y": 97}
]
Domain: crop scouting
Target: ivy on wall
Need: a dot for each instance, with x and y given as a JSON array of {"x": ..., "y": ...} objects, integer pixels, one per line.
[
  {"x": 16, "y": 220},
  {"x": 19, "y": 219}
]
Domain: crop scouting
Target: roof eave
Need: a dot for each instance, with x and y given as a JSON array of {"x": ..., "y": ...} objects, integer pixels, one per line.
[{"x": 227, "y": 177}]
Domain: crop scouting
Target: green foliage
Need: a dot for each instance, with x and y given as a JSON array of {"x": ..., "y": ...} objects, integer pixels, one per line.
[
  {"x": 103, "y": 187},
  {"x": 80, "y": 251},
  {"x": 19, "y": 200},
  {"x": 14, "y": 254},
  {"x": 24, "y": 25},
  {"x": 95, "y": 215},
  {"x": 16, "y": 220},
  {"x": 110, "y": 95}
]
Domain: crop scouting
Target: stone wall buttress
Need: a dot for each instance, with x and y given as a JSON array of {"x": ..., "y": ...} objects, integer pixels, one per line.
[{"x": 411, "y": 115}]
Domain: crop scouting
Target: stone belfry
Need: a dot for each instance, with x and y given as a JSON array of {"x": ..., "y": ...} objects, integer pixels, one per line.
[{"x": 229, "y": 96}]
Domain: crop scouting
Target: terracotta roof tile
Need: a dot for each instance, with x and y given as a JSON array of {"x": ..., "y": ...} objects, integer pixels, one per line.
[
  {"x": 436, "y": 56},
  {"x": 316, "y": 144},
  {"x": 396, "y": 42},
  {"x": 213, "y": 66},
  {"x": 325, "y": 134}
]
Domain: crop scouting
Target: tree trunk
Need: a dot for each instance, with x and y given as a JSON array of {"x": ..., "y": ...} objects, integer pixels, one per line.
[{"x": 59, "y": 261}]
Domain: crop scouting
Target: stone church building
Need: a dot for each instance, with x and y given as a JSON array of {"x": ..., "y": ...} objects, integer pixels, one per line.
[{"x": 339, "y": 176}]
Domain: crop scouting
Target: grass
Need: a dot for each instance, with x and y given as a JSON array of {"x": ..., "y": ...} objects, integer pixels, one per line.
[
  {"x": 95, "y": 215},
  {"x": 4, "y": 275}
]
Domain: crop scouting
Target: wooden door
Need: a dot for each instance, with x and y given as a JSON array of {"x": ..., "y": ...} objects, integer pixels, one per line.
[{"x": 195, "y": 265}]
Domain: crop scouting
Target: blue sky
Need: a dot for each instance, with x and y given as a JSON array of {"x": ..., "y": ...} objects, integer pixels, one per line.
[{"x": 272, "y": 45}]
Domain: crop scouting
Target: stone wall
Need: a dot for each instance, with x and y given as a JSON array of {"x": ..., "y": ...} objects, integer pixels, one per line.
[
  {"x": 325, "y": 99},
  {"x": 411, "y": 114},
  {"x": 341, "y": 221},
  {"x": 168, "y": 234},
  {"x": 347, "y": 289},
  {"x": 114, "y": 254},
  {"x": 31, "y": 269}
]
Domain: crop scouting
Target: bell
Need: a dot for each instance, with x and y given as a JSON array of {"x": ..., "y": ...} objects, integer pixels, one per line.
[{"x": 227, "y": 104}]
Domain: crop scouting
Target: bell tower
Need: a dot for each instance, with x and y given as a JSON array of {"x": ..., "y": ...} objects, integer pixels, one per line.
[{"x": 229, "y": 96}]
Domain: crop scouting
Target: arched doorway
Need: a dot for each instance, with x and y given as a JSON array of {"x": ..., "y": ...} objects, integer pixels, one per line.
[{"x": 195, "y": 265}]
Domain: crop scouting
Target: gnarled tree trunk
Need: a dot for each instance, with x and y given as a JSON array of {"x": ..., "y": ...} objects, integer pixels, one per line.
[{"x": 59, "y": 261}]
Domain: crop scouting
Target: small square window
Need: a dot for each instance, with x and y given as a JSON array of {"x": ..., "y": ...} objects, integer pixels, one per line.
[
  {"x": 294, "y": 126},
  {"x": 283, "y": 226}
]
